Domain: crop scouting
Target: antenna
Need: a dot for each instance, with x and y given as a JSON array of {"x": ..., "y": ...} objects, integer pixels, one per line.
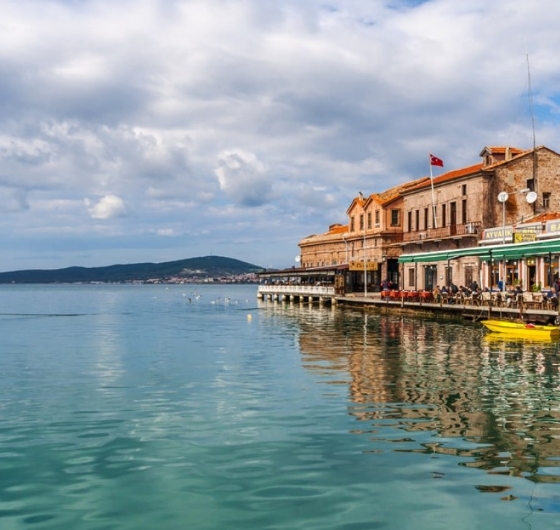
[
  {"x": 531, "y": 100},
  {"x": 535, "y": 163}
]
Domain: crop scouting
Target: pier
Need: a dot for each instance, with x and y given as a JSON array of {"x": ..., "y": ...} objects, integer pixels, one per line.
[
  {"x": 310, "y": 294},
  {"x": 538, "y": 311}
]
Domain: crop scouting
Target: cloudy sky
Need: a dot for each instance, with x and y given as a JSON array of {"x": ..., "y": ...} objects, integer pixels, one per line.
[{"x": 155, "y": 130}]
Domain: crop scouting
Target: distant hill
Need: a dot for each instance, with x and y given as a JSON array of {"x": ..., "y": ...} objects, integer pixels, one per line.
[{"x": 193, "y": 268}]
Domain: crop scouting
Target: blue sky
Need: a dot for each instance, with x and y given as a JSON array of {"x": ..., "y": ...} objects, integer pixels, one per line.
[{"x": 155, "y": 130}]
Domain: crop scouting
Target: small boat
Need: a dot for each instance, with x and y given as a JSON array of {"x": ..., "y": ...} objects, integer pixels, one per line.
[
  {"x": 524, "y": 330},
  {"x": 505, "y": 338}
]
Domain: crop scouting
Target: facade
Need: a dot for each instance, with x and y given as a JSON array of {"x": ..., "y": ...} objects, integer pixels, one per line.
[{"x": 430, "y": 232}]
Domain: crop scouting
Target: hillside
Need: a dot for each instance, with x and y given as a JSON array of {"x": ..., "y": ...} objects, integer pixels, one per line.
[{"x": 193, "y": 268}]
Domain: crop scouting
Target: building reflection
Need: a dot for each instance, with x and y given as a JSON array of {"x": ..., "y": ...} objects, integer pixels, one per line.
[{"x": 499, "y": 401}]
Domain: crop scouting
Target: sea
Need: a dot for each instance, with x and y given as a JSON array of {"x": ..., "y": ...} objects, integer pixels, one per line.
[{"x": 132, "y": 407}]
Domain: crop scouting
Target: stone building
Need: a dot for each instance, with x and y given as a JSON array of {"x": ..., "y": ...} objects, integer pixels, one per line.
[{"x": 434, "y": 221}]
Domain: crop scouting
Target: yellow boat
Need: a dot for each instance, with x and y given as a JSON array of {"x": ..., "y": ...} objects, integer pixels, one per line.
[
  {"x": 523, "y": 330},
  {"x": 505, "y": 338}
]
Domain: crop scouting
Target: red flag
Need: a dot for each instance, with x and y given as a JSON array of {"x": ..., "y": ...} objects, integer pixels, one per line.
[{"x": 435, "y": 161}]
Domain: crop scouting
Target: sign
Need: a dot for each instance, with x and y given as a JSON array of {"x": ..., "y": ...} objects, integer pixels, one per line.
[
  {"x": 359, "y": 266},
  {"x": 524, "y": 237},
  {"x": 553, "y": 227},
  {"x": 498, "y": 234}
]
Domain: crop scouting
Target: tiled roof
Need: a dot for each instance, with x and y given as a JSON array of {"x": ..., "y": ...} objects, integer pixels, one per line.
[
  {"x": 543, "y": 217},
  {"x": 503, "y": 149},
  {"x": 450, "y": 175},
  {"x": 338, "y": 229},
  {"x": 357, "y": 201},
  {"x": 395, "y": 192}
]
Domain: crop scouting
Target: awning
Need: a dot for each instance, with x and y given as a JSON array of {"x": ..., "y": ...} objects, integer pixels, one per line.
[{"x": 487, "y": 253}]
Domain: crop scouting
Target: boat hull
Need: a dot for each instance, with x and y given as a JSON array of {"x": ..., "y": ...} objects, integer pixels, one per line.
[{"x": 522, "y": 329}]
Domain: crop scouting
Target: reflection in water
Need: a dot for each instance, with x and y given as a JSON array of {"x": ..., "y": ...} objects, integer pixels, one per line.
[{"x": 494, "y": 403}]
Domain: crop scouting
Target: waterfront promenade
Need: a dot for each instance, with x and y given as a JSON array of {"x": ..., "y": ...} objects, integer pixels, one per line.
[{"x": 530, "y": 306}]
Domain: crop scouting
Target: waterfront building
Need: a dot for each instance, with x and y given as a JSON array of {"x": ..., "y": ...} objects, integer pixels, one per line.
[{"x": 492, "y": 222}]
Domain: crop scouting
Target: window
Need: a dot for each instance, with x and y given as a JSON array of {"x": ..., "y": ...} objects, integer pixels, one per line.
[
  {"x": 426, "y": 218},
  {"x": 546, "y": 200},
  {"x": 395, "y": 218},
  {"x": 453, "y": 213},
  {"x": 369, "y": 220},
  {"x": 469, "y": 275},
  {"x": 361, "y": 221},
  {"x": 377, "y": 216},
  {"x": 409, "y": 216},
  {"x": 434, "y": 218},
  {"x": 411, "y": 277},
  {"x": 464, "y": 189},
  {"x": 443, "y": 215},
  {"x": 464, "y": 217},
  {"x": 531, "y": 184},
  {"x": 417, "y": 222},
  {"x": 352, "y": 224}
]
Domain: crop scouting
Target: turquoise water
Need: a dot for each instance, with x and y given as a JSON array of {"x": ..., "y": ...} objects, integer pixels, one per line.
[{"x": 141, "y": 407}]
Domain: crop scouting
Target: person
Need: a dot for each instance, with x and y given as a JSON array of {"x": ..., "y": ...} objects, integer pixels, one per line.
[
  {"x": 474, "y": 286},
  {"x": 509, "y": 294},
  {"x": 552, "y": 298},
  {"x": 437, "y": 294}
]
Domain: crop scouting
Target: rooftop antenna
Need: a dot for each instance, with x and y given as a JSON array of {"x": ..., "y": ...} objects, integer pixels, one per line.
[
  {"x": 535, "y": 165},
  {"x": 531, "y": 99}
]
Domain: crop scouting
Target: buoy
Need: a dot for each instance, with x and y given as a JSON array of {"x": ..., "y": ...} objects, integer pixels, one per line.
[{"x": 249, "y": 317}]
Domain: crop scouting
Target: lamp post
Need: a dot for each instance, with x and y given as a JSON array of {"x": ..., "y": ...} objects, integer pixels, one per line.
[
  {"x": 365, "y": 261},
  {"x": 503, "y": 196}
]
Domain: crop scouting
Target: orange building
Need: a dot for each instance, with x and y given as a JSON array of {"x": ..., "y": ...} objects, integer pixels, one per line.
[{"x": 489, "y": 203}]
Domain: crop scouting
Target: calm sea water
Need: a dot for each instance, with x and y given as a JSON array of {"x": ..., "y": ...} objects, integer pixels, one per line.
[{"x": 169, "y": 407}]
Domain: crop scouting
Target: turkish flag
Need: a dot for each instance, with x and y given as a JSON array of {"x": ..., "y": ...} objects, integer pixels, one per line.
[{"x": 435, "y": 161}]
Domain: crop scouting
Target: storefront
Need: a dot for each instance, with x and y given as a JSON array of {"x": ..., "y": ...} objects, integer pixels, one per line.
[{"x": 529, "y": 264}]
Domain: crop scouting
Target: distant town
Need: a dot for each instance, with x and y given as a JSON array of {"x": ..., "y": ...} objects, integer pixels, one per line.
[
  {"x": 198, "y": 278},
  {"x": 207, "y": 269}
]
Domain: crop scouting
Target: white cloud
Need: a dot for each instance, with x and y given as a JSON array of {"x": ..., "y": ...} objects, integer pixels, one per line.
[
  {"x": 107, "y": 207},
  {"x": 165, "y": 232},
  {"x": 213, "y": 115},
  {"x": 243, "y": 178}
]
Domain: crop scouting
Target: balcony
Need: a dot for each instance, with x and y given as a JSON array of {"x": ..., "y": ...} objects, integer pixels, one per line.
[{"x": 470, "y": 230}]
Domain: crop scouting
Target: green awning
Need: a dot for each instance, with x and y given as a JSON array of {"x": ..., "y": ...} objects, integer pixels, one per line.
[{"x": 486, "y": 253}]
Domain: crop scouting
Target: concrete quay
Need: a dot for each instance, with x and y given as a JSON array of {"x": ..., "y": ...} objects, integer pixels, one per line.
[{"x": 325, "y": 295}]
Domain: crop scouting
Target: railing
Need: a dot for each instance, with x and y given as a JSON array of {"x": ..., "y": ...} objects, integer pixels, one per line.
[
  {"x": 305, "y": 290},
  {"x": 527, "y": 300},
  {"x": 468, "y": 229}
]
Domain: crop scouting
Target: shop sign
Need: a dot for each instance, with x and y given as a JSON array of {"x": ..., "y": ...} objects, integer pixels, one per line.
[
  {"x": 553, "y": 227},
  {"x": 497, "y": 234},
  {"x": 360, "y": 266}
]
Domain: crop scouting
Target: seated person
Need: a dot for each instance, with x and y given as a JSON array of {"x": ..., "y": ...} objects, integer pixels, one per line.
[
  {"x": 552, "y": 297},
  {"x": 509, "y": 294}
]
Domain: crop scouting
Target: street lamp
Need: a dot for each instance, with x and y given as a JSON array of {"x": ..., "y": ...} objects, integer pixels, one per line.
[
  {"x": 503, "y": 196},
  {"x": 365, "y": 262}
]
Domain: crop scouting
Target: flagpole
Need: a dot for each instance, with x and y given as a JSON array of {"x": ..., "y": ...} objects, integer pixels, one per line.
[{"x": 433, "y": 194}]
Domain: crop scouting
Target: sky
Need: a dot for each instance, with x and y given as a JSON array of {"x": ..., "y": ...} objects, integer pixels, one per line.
[{"x": 157, "y": 130}]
